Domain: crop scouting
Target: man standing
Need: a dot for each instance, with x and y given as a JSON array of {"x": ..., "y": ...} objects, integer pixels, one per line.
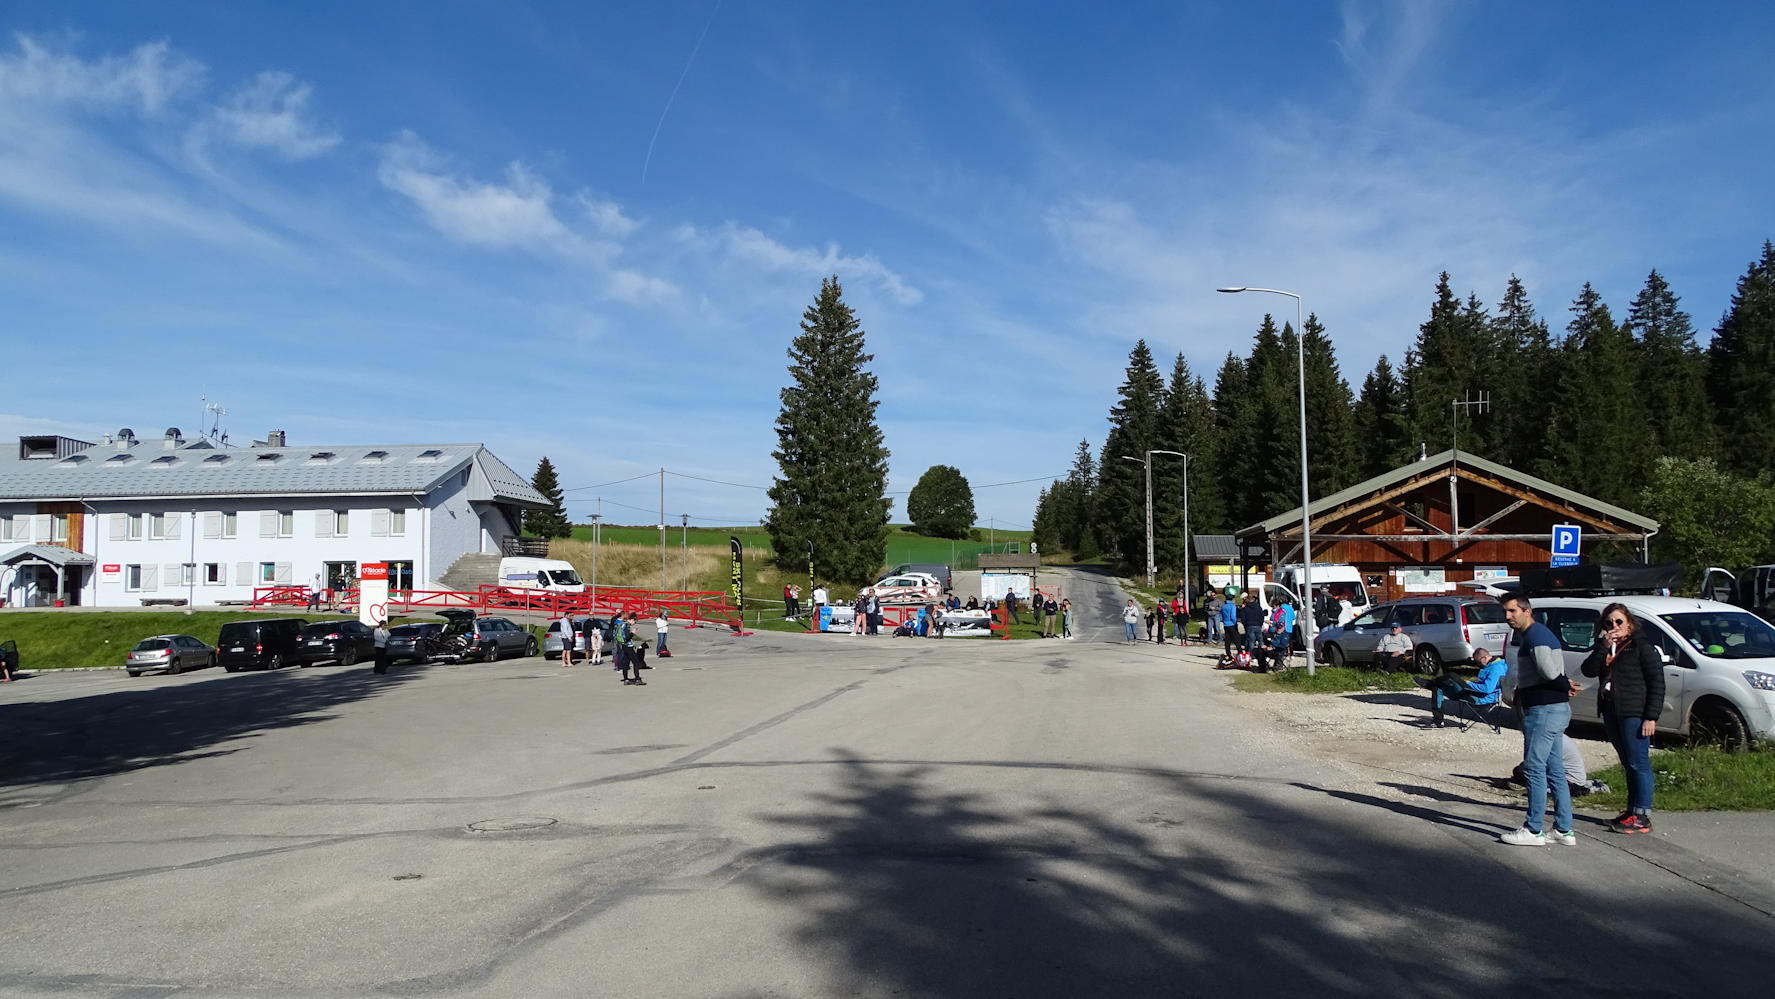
[
  {"x": 1229, "y": 626},
  {"x": 565, "y": 628},
  {"x": 379, "y": 638},
  {"x": 1039, "y": 607},
  {"x": 1162, "y": 617},
  {"x": 1011, "y": 606},
  {"x": 1130, "y": 618},
  {"x": 660, "y": 626},
  {"x": 314, "y": 594},
  {"x": 1545, "y": 697},
  {"x": 1050, "y": 614},
  {"x": 791, "y": 602},
  {"x": 1251, "y": 622},
  {"x": 1394, "y": 651},
  {"x": 874, "y": 609},
  {"x": 819, "y": 600}
]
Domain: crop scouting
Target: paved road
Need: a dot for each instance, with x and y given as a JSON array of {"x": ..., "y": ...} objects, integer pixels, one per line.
[{"x": 785, "y": 815}]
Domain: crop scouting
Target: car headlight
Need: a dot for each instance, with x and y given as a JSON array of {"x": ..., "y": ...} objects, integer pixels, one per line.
[{"x": 1761, "y": 681}]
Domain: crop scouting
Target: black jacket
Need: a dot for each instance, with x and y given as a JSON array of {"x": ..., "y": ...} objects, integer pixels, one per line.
[
  {"x": 1634, "y": 685},
  {"x": 1251, "y": 616}
]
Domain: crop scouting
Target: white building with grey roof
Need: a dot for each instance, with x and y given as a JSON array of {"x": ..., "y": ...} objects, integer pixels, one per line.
[{"x": 129, "y": 522}]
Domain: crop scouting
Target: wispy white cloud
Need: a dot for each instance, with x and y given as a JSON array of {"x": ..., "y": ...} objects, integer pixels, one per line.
[
  {"x": 749, "y": 247},
  {"x": 516, "y": 214},
  {"x": 272, "y": 113},
  {"x": 149, "y": 77}
]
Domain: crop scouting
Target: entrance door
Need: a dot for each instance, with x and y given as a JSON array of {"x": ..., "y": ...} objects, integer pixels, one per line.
[
  {"x": 339, "y": 575},
  {"x": 400, "y": 575}
]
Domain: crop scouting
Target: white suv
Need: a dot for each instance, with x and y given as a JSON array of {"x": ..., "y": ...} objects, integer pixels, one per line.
[{"x": 1719, "y": 662}]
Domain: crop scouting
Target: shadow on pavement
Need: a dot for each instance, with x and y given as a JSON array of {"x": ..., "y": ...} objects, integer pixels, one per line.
[
  {"x": 122, "y": 730},
  {"x": 899, "y": 885}
]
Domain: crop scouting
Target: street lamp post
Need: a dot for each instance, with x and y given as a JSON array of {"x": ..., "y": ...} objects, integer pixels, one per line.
[
  {"x": 1306, "y": 515},
  {"x": 1152, "y": 569},
  {"x": 684, "y": 548}
]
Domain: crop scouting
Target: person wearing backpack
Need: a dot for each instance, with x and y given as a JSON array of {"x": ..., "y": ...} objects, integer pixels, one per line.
[{"x": 619, "y": 644}]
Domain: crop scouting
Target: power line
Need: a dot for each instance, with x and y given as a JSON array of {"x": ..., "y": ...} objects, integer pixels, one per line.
[
  {"x": 718, "y": 482},
  {"x": 618, "y": 482},
  {"x": 992, "y": 485}
]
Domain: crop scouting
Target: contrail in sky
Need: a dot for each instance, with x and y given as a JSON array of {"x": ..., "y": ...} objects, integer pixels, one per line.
[{"x": 668, "y": 108}]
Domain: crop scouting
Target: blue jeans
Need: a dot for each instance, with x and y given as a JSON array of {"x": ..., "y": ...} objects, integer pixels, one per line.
[
  {"x": 1543, "y": 762},
  {"x": 1253, "y": 639},
  {"x": 1213, "y": 629},
  {"x": 1634, "y": 751},
  {"x": 1128, "y": 626}
]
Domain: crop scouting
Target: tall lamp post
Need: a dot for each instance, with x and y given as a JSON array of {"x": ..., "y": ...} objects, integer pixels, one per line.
[
  {"x": 1152, "y": 568},
  {"x": 1306, "y": 515}
]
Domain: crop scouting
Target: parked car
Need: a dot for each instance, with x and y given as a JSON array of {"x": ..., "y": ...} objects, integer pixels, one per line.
[
  {"x": 465, "y": 637},
  {"x": 1719, "y": 662},
  {"x": 343, "y": 642},
  {"x": 169, "y": 654},
  {"x": 909, "y": 588},
  {"x": 937, "y": 569},
  {"x": 270, "y": 643},
  {"x": 551, "y": 638},
  {"x": 1441, "y": 629},
  {"x": 412, "y": 641}
]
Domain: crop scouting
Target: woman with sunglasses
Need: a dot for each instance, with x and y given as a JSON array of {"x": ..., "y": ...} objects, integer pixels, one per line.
[{"x": 1631, "y": 698}]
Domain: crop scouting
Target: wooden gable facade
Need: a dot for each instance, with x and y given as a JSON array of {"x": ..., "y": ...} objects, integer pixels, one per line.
[{"x": 1441, "y": 521}]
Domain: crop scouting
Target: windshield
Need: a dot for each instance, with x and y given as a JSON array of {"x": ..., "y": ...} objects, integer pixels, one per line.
[
  {"x": 317, "y": 630},
  {"x": 558, "y": 577},
  {"x": 1725, "y": 634},
  {"x": 1484, "y": 613},
  {"x": 151, "y": 644}
]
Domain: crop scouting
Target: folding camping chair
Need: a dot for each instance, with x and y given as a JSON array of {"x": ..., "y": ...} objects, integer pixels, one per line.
[{"x": 1466, "y": 713}]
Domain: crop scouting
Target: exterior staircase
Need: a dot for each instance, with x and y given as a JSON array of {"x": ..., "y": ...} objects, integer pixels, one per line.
[{"x": 472, "y": 571}]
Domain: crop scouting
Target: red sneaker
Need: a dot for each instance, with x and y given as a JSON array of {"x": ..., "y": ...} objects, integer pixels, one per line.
[{"x": 1632, "y": 824}]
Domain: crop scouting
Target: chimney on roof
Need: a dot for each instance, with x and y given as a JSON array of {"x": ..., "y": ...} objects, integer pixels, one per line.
[
  {"x": 275, "y": 439},
  {"x": 126, "y": 439},
  {"x": 174, "y": 438}
]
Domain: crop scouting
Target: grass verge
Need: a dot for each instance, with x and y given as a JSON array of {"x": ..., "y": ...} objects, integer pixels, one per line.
[
  {"x": 1328, "y": 680},
  {"x": 1699, "y": 778},
  {"x": 48, "y": 640}
]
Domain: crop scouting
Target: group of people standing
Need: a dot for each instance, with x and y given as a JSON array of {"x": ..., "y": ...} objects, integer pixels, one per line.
[{"x": 621, "y": 634}]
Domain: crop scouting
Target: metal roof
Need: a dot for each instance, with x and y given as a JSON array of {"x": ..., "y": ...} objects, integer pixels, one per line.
[
  {"x": 1407, "y": 472},
  {"x": 53, "y": 554},
  {"x": 148, "y": 471},
  {"x": 1216, "y": 546}
]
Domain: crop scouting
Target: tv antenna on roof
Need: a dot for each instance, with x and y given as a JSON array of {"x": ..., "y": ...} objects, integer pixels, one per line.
[
  {"x": 212, "y": 421},
  {"x": 1482, "y": 404}
]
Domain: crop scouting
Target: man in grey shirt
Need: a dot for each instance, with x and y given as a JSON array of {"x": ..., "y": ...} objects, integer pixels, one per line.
[{"x": 1394, "y": 651}]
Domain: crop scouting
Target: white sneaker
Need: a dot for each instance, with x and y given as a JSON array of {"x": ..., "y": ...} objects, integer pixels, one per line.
[
  {"x": 1565, "y": 838},
  {"x": 1522, "y": 837}
]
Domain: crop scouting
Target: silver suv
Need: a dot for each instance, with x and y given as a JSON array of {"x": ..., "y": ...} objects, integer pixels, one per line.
[{"x": 1441, "y": 629}]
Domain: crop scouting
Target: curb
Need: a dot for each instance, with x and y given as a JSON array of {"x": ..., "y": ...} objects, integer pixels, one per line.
[{"x": 33, "y": 670}]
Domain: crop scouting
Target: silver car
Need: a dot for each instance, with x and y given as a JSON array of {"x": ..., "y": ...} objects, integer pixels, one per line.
[
  {"x": 169, "y": 654},
  {"x": 551, "y": 639},
  {"x": 1441, "y": 629}
]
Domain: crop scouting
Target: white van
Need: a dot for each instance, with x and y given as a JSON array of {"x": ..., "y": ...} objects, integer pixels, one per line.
[
  {"x": 1719, "y": 661},
  {"x": 540, "y": 574},
  {"x": 1330, "y": 579}
]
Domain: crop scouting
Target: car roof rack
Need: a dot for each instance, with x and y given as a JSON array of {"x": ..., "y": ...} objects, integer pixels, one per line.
[{"x": 1597, "y": 580}]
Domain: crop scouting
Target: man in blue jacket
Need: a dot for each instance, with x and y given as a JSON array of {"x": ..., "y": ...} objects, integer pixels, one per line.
[{"x": 1483, "y": 689}]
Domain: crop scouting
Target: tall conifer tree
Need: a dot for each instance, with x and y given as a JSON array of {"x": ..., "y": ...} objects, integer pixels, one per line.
[
  {"x": 1186, "y": 425},
  {"x": 1597, "y": 445},
  {"x": 552, "y": 522},
  {"x": 1078, "y": 526},
  {"x": 1235, "y": 425},
  {"x": 1526, "y": 378},
  {"x": 1383, "y": 435},
  {"x": 1672, "y": 372},
  {"x": 1741, "y": 371},
  {"x": 1452, "y": 357},
  {"x": 1331, "y": 423},
  {"x": 832, "y": 464},
  {"x": 1121, "y": 485}
]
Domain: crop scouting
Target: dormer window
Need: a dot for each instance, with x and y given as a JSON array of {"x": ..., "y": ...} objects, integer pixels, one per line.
[
  {"x": 74, "y": 459},
  {"x": 430, "y": 454},
  {"x": 269, "y": 458},
  {"x": 373, "y": 457},
  {"x": 118, "y": 459},
  {"x": 320, "y": 458},
  {"x": 164, "y": 461},
  {"x": 215, "y": 459}
]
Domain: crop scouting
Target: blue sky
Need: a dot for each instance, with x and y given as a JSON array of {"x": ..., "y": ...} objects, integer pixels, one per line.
[{"x": 404, "y": 222}]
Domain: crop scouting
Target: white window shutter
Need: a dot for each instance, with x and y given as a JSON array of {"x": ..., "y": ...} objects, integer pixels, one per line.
[
  {"x": 42, "y": 530},
  {"x": 173, "y": 574},
  {"x": 283, "y": 572},
  {"x": 243, "y": 574},
  {"x": 268, "y": 524},
  {"x": 172, "y": 521},
  {"x": 212, "y": 524},
  {"x": 323, "y": 523},
  {"x": 119, "y": 526},
  {"x": 379, "y": 523},
  {"x": 150, "y": 577}
]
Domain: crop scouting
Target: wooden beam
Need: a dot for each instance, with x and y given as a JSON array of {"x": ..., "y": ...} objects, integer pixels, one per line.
[
  {"x": 1396, "y": 508},
  {"x": 1512, "y": 508}
]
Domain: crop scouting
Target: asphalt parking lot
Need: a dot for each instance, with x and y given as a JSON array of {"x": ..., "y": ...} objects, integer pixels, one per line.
[{"x": 780, "y": 815}]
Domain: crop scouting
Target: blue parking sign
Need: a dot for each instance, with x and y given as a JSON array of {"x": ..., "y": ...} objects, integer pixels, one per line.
[{"x": 1565, "y": 545}]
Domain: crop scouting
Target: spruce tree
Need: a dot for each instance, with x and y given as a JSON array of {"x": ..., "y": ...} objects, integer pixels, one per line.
[
  {"x": 941, "y": 505},
  {"x": 1597, "y": 444},
  {"x": 1275, "y": 387},
  {"x": 1045, "y": 527},
  {"x": 1078, "y": 521},
  {"x": 1121, "y": 485},
  {"x": 1186, "y": 425},
  {"x": 1453, "y": 356},
  {"x": 1331, "y": 423},
  {"x": 1235, "y": 426},
  {"x": 1672, "y": 372},
  {"x": 1741, "y": 371},
  {"x": 1382, "y": 431},
  {"x": 1525, "y": 380},
  {"x": 552, "y": 522},
  {"x": 832, "y": 464}
]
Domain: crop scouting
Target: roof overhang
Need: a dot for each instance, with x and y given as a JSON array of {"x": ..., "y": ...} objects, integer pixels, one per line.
[{"x": 54, "y": 555}]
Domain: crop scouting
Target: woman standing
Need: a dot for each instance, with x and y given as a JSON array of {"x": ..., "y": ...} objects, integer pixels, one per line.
[
  {"x": 1162, "y": 616},
  {"x": 1631, "y": 698},
  {"x": 1130, "y": 618},
  {"x": 1066, "y": 619}
]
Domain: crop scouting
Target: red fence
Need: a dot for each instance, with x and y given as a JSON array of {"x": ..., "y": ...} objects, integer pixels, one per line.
[{"x": 696, "y": 607}]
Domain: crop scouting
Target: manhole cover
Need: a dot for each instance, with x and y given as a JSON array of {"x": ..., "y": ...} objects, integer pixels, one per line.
[{"x": 510, "y": 825}]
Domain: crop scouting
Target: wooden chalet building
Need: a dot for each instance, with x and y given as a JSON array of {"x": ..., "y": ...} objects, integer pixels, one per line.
[{"x": 1441, "y": 521}]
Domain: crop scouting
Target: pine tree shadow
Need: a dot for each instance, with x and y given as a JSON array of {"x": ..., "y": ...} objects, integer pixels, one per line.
[{"x": 903, "y": 885}]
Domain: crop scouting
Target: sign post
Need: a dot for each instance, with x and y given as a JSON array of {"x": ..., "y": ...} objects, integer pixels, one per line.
[
  {"x": 736, "y": 577},
  {"x": 372, "y": 593},
  {"x": 1566, "y": 539}
]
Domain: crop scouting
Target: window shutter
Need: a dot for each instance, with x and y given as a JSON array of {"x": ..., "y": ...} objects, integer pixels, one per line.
[
  {"x": 268, "y": 524},
  {"x": 379, "y": 523},
  {"x": 212, "y": 524},
  {"x": 171, "y": 573},
  {"x": 283, "y": 572},
  {"x": 119, "y": 526},
  {"x": 243, "y": 574},
  {"x": 42, "y": 530},
  {"x": 323, "y": 523},
  {"x": 150, "y": 577},
  {"x": 172, "y": 521}
]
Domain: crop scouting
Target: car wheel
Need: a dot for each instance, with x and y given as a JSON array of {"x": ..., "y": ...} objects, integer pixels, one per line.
[
  {"x": 530, "y": 647},
  {"x": 1714, "y": 722},
  {"x": 1334, "y": 656},
  {"x": 1429, "y": 661},
  {"x": 348, "y": 657},
  {"x": 135, "y": 673},
  {"x": 173, "y": 668},
  {"x": 231, "y": 669},
  {"x": 277, "y": 662}
]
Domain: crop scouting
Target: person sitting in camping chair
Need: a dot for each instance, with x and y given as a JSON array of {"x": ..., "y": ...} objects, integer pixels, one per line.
[{"x": 1480, "y": 691}]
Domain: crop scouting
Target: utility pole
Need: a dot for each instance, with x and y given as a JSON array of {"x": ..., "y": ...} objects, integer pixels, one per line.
[
  {"x": 662, "y": 526},
  {"x": 597, "y": 525},
  {"x": 684, "y": 547},
  {"x": 1152, "y": 569}
]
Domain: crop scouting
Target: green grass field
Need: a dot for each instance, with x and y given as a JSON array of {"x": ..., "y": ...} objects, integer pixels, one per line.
[
  {"x": 48, "y": 640},
  {"x": 1327, "y": 680},
  {"x": 1699, "y": 778},
  {"x": 902, "y": 544}
]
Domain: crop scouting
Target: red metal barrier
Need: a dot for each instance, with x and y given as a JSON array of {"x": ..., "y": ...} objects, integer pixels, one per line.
[{"x": 697, "y": 607}]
